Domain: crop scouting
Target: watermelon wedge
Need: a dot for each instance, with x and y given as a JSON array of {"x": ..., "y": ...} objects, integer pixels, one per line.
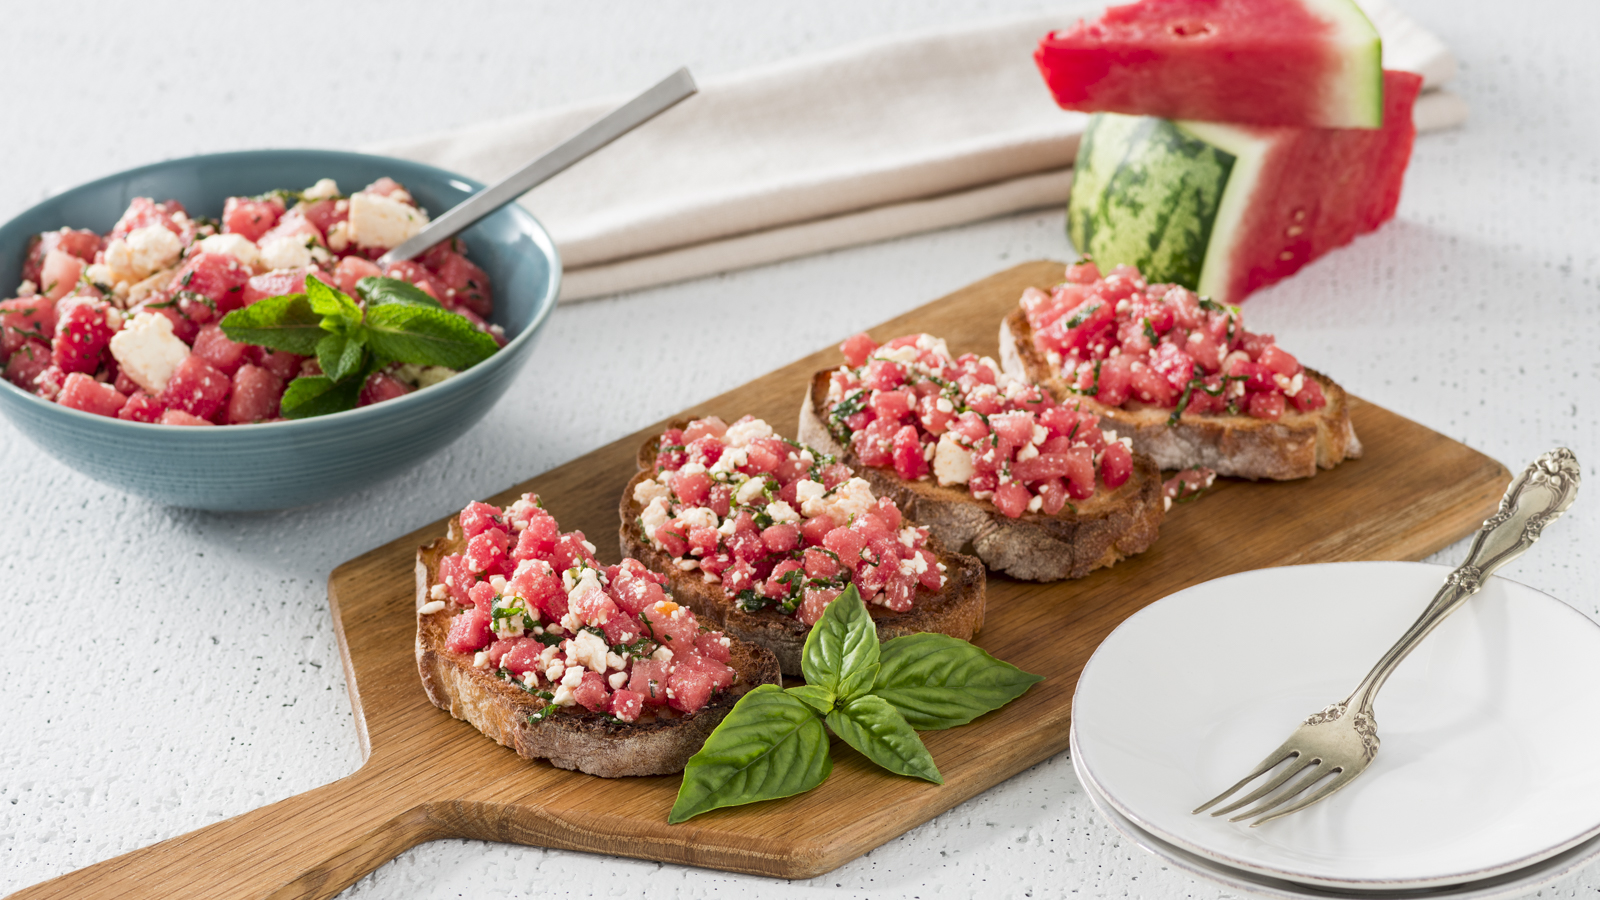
[
  {"x": 1308, "y": 63},
  {"x": 1226, "y": 209}
]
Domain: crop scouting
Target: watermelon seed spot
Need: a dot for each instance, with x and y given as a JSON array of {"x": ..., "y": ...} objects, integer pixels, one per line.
[
  {"x": 1190, "y": 29},
  {"x": 1295, "y": 231},
  {"x": 1286, "y": 255}
]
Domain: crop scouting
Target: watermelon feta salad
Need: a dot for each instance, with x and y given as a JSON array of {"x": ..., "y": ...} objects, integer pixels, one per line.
[
  {"x": 532, "y": 604},
  {"x": 777, "y": 524},
  {"x": 1126, "y": 343},
  {"x": 126, "y": 324},
  {"x": 908, "y": 404}
]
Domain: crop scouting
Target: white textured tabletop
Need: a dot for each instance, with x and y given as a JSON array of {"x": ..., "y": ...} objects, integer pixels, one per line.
[{"x": 166, "y": 669}]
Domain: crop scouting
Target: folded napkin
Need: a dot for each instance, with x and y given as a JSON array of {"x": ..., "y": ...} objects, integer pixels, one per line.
[{"x": 874, "y": 141}]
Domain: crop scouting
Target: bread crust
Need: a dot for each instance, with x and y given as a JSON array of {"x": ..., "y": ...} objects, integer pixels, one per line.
[
  {"x": 1104, "y": 529},
  {"x": 660, "y": 743},
  {"x": 1294, "y": 446}
]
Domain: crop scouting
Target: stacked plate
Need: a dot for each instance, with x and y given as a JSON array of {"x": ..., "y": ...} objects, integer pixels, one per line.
[{"x": 1485, "y": 784}]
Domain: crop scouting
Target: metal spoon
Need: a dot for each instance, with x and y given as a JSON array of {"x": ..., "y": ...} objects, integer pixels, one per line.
[{"x": 641, "y": 109}]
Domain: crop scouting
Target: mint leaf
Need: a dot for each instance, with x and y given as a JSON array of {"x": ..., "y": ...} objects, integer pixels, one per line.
[
  {"x": 841, "y": 652},
  {"x": 819, "y": 699},
  {"x": 379, "y": 291},
  {"x": 770, "y": 745},
  {"x": 319, "y": 395},
  {"x": 341, "y": 356},
  {"x": 426, "y": 337},
  {"x": 277, "y": 323},
  {"x": 873, "y": 726},
  {"x": 937, "y": 681},
  {"x": 339, "y": 313}
]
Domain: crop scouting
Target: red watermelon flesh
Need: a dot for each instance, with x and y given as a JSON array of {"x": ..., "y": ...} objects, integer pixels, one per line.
[
  {"x": 1308, "y": 63},
  {"x": 1318, "y": 189}
]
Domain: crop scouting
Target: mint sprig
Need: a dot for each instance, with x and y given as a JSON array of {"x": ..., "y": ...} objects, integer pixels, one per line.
[
  {"x": 394, "y": 322},
  {"x": 773, "y": 744}
]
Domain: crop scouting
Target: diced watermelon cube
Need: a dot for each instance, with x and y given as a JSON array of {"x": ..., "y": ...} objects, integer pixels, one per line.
[
  {"x": 26, "y": 362},
  {"x": 273, "y": 284},
  {"x": 626, "y": 705},
  {"x": 352, "y": 269},
  {"x": 522, "y": 655},
  {"x": 196, "y": 388},
  {"x": 219, "y": 277},
  {"x": 84, "y": 393},
  {"x": 141, "y": 407},
  {"x": 591, "y": 693},
  {"x": 469, "y": 632},
  {"x": 220, "y": 353},
  {"x": 255, "y": 395},
  {"x": 381, "y": 386},
  {"x": 251, "y": 218},
  {"x": 649, "y": 681},
  {"x": 82, "y": 334}
]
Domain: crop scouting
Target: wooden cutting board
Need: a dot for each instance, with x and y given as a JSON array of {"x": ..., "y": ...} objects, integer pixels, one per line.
[{"x": 428, "y": 776}]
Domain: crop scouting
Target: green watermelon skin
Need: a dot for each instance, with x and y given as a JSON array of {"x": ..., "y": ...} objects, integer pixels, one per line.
[
  {"x": 1306, "y": 63},
  {"x": 1252, "y": 204},
  {"x": 1145, "y": 190}
]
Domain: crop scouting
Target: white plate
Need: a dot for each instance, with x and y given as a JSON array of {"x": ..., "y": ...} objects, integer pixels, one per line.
[
  {"x": 1488, "y": 728},
  {"x": 1514, "y": 884}
]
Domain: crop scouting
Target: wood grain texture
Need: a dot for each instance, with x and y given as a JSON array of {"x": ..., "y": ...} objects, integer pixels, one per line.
[{"x": 428, "y": 776}]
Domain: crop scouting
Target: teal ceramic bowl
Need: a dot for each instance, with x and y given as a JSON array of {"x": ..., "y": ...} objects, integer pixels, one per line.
[{"x": 283, "y": 464}]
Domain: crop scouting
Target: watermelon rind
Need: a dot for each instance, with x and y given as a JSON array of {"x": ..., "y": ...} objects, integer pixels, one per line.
[
  {"x": 1147, "y": 192},
  {"x": 1361, "y": 58},
  {"x": 1248, "y": 147}
]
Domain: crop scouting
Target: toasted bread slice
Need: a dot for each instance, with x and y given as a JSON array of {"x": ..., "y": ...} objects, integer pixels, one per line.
[
  {"x": 1294, "y": 446},
  {"x": 660, "y": 742},
  {"x": 1096, "y": 532}
]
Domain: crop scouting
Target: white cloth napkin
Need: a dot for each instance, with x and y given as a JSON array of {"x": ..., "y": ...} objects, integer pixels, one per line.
[{"x": 878, "y": 140}]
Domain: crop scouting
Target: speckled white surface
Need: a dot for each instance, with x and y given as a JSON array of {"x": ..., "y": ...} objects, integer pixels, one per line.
[{"x": 166, "y": 669}]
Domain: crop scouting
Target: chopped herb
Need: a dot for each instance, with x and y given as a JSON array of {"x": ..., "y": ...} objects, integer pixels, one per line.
[
  {"x": 750, "y": 601},
  {"x": 1150, "y": 331},
  {"x": 852, "y": 403},
  {"x": 1083, "y": 316}
]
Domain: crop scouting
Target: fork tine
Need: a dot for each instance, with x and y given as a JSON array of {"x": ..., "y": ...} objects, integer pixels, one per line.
[
  {"x": 1343, "y": 778},
  {"x": 1315, "y": 770},
  {"x": 1274, "y": 758},
  {"x": 1288, "y": 772}
]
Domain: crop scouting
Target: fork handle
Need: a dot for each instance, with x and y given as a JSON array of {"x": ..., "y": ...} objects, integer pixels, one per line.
[{"x": 1536, "y": 497}]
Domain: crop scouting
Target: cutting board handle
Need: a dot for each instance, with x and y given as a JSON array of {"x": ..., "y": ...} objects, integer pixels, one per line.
[{"x": 312, "y": 845}]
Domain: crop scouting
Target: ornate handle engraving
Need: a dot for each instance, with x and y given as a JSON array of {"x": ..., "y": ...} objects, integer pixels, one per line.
[{"x": 1536, "y": 497}]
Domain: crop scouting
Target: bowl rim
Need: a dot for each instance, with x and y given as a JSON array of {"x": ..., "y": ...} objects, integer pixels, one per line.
[{"x": 513, "y": 348}]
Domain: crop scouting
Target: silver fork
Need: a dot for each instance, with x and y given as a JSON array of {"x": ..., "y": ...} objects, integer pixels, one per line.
[{"x": 1332, "y": 747}]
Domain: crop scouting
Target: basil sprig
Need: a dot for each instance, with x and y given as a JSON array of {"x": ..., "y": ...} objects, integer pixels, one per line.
[
  {"x": 395, "y": 322},
  {"x": 874, "y": 697}
]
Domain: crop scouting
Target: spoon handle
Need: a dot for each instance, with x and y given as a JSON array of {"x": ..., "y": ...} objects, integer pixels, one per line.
[{"x": 641, "y": 109}]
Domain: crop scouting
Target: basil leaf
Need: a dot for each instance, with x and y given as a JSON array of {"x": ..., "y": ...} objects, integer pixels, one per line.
[
  {"x": 338, "y": 311},
  {"x": 937, "y": 681},
  {"x": 770, "y": 745},
  {"x": 873, "y": 726},
  {"x": 379, "y": 291},
  {"x": 841, "y": 652},
  {"x": 818, "y": 698},
  {"x": 319, "y": 395},
  {"x": 340, "y": 356},
  {"x": 426, "y": 337},
  {"x": 278, "y": 323}
]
